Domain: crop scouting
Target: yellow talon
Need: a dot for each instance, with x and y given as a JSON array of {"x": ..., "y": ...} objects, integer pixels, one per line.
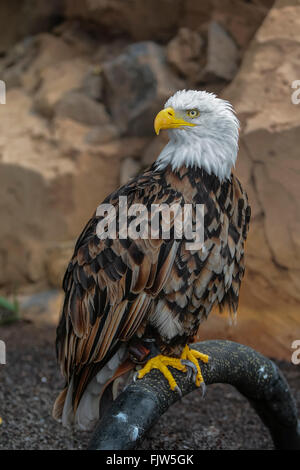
[
  {"x": 161, "y": 362},
  {"x": 192, "y": 355}
]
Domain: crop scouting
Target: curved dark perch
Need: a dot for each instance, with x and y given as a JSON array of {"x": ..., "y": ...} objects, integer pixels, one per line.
[{"x": 135, "y": 411}]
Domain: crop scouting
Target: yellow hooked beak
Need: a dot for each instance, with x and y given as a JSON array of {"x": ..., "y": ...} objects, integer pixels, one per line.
[{"x": 166, "y": 119}]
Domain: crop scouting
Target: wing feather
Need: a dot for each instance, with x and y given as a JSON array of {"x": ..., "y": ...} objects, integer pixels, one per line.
[{"x": 109, "y": 285}]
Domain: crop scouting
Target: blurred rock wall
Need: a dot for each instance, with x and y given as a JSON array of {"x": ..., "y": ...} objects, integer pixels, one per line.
[{"x": 84, "y": 80}]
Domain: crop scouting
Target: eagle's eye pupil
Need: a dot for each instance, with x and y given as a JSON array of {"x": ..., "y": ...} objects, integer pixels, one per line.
[{"x": 192, "y": 113}]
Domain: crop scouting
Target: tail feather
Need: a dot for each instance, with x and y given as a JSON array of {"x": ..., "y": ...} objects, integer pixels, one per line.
[
  {"x": 111, "y": 379},
  {"x": 59, "y": 404}
]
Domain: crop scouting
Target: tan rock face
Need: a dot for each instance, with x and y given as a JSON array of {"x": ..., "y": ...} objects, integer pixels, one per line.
[
  {"x": 160, "y": 19},
  {"x": 27, "y": 63},
  {"x": 20, "y": 18},
  {"x": 137, "y": 18},
  {"x": 57, "y": 259},
  {"x": 129, "y": 169},
  {"x": 79, "y": 107},
  {"x": 269, "y": 165},
  {"x": 185, "y": 54},
  {"x": 57, "y": 80},
  {"x": 222, "y": 55},
  {"x": 154, "y": 148},
  {"x": 48, "y": 188}
]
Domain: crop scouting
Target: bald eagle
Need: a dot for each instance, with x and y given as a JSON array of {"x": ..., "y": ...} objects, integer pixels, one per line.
[{"x": 134, "y": 304}]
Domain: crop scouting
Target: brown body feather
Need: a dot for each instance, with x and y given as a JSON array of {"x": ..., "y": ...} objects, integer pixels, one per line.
[{"x": 117, "y": 289}]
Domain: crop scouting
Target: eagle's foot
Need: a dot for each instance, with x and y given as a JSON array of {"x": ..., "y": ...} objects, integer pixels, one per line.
[
  {"x": 161, "y": 362},
  {"x": 189, "y": 358}
]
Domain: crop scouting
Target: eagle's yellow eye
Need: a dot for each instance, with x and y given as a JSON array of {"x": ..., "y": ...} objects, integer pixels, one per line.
[{"x": 193, "y": 113}]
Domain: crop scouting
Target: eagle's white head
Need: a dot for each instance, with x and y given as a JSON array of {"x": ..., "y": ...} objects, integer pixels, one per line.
[{"x": 203, "y": 131}]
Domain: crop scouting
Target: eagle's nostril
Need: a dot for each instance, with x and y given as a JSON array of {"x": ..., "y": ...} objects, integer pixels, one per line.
[{"x": 170, "y": 114}]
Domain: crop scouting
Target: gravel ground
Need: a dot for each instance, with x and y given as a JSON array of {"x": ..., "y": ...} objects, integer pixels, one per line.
[{"x": 30, "y": 381}]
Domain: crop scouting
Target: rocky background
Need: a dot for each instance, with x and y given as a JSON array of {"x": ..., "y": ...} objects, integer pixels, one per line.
[{"x": 84, "y": 80}]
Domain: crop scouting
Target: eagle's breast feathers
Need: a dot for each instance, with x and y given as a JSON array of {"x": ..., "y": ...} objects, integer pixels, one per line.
[{"x": 115, "y": 288}]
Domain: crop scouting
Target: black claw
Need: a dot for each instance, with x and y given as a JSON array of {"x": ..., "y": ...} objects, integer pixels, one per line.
[
  {"x": 135, "y": 377},
  {"x": 203, "y": 386},
  {"x": 178, "y": 390},
  {"x": 189, "y": 374},
  {"x": 191, "y": 369}
]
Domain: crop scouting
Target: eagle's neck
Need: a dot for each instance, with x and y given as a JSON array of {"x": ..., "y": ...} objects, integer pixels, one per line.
[{"x": 215, "y": 153}]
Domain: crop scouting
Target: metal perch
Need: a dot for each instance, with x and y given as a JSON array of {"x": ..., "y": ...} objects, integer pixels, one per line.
[{"x": 138, "y": 407}]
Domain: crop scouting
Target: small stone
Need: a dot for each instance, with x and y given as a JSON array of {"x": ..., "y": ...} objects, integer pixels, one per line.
[
  {"x": 92, "y": 84},
  {"x": 184, "y": 52},
  {"x": 222, "y": 55},
  {"x": 56, "y": 81},
  {"x": 79, "y": 107},
  {"x": 101, "y": 134},
  {"x": 136, "y": 84}
]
